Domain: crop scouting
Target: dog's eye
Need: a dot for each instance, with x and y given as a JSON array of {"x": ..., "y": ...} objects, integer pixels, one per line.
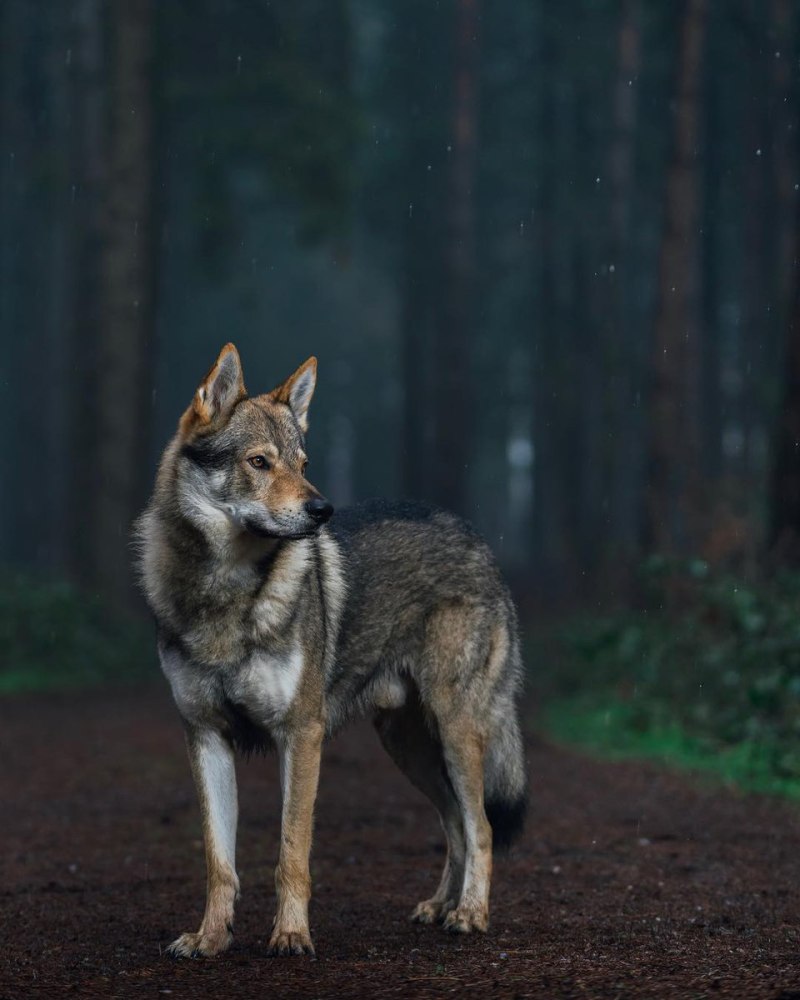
[
  {"x": 305, "y": 466},
  {"x": 258, "y": 462}
]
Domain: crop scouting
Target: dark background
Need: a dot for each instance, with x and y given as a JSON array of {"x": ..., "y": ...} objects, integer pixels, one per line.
[{"x": 546, "y": 256}]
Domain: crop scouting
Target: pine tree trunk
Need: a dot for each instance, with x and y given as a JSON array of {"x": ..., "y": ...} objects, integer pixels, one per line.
[
  {"x": 626, "y": 440},
  {"x": 672, "y": 489},
  {"x": 784, "y": 535},
  {"x": 783, "y": 32},
  {"x": 87, "y": 168},
  {"x": 454, "y": 322},
  {"x": 13, "y": 169},
  {"x": 549, "y": 530},
  {"x": 125, "y": 349},
  {"x": 425, "y": 116}
]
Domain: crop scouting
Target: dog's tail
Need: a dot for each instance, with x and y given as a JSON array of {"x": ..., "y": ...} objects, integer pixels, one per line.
[{"x": 504, "y": 772}]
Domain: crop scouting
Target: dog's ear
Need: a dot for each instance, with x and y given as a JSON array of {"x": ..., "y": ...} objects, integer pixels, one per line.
[
  {"x": 218, "y": 393},
  {"x": 297, "y": 391}
]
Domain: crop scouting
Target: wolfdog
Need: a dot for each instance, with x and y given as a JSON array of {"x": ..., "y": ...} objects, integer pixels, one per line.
[{"x": 278, "y": 622}]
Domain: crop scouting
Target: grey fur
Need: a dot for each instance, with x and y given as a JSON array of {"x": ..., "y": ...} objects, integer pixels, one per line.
[{"x": 269, "y": 624}]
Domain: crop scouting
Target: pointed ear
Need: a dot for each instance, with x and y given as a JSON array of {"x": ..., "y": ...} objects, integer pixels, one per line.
[
  {"x": 297, "y": 391},
  {"x": 218, "y": 393}
]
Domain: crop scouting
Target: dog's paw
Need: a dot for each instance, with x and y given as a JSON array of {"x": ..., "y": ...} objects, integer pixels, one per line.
[
  {"x": 284, "y": 943},
  {"x": 200, "y": 945},
  {"x": 466, "y": 919},
  {"x": 431, "y": 911}
]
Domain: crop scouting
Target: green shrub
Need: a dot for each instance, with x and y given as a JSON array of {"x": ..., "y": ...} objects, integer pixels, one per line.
[
  {"x": 713, "y": 661},
  {"x": 54, "y": 636}
]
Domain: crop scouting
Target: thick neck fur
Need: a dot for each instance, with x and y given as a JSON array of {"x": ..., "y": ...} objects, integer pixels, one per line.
[{"x": 220, "y": 591}]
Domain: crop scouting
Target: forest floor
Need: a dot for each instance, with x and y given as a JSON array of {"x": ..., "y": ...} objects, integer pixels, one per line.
[{"x": 630, "y": 881}]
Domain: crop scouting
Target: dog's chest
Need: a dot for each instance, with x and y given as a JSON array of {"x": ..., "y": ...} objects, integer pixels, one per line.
[
  {"x": 261, "y": 687},
  {"x": 266, "y": 683}
]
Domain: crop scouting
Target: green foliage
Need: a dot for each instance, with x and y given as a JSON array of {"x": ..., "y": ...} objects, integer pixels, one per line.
[
  {"x": 710, "y": 677},
  {"x": 622, "y": 730},
  {"x": 53, "y": 636}
]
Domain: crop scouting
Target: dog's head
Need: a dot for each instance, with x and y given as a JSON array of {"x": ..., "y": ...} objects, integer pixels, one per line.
[{"x": 242, "y": 460}]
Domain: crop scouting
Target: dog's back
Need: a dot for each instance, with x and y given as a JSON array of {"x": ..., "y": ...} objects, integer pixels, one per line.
[{"x": 428, "y": 620}]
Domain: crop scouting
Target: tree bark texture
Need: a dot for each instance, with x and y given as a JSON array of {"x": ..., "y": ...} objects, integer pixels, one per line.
[
  {"x": 125, "y": 346},
  {"x": 672, "y": 487},
  {"x": 784, "y": 534},
  {"x": 455, "y": 322}
]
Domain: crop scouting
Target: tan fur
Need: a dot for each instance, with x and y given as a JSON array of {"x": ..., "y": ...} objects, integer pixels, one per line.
[
  {"x": 300, "y": 761},
  {"x": 464, "y": 753},
  {"x": 284, "y": 392},
  {"x": 201, "y": 412},
  {"x": 275, "y": 629}
]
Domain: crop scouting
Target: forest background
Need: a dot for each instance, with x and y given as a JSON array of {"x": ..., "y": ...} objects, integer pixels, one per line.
[{"x": 546, "y": 255}]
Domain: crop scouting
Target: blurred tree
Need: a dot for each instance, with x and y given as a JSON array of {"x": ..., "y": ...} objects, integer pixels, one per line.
[
  {"x": 783, "y": 534},
  {"x": 756, "y": 308},
  {"x": 418, "y": 122},
  {"x": 32, "y": 280},
  {"x": 126, "y": 346},
  {"x": 264, "y": 91},
  {"x": 17, "y": 128},
  {"x": 87, "y": 169},
  {"x": 256, "y": 90},
  {"x": 404, "y": 184},
  {"x": 621, "y": 333},
  {"x": 716, "y": 92},
  {"x": 784, "y": 529},
  {"x": 672, "y": 487},
  {"x": 455, "y": 316},
  {"x": 549, "y": 533},
  {"x": 782, "y": 44},
  {"x": 519, "y": 191}
]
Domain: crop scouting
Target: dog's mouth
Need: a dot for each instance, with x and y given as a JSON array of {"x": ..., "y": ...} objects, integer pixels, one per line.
[{"x": 260, "y": 531}]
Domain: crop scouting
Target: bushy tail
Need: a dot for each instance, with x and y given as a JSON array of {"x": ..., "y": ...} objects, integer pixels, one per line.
[{"x": 505, "y": 780}]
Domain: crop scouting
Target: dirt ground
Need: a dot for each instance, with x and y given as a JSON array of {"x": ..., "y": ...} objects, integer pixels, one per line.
[{"x": 629, "y": 882}]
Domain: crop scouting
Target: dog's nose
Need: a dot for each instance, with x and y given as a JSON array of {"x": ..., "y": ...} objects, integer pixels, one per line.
[{"x": 319, "y": 509}]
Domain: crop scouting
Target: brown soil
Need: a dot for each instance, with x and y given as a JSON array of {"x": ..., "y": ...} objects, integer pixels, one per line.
[{"x": 628, "y": 882}]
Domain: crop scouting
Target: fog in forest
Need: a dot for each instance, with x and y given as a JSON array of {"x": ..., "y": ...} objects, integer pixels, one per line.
[{"x": 544, "y": 253}]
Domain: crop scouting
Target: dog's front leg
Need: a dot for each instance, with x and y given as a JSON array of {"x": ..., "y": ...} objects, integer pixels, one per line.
[
  {"x": 212, "y": 762},
  {"x": 300, "y": 752}
]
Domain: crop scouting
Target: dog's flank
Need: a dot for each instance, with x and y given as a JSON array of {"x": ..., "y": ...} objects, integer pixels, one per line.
[{"x": 275, "y": 628}]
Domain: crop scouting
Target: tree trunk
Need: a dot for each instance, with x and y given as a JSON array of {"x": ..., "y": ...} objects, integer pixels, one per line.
[
  {"x": 784, "y": 19},
  {"x": 414, "y": 318},
  {"x": 624, "y": 427},
  {"x": 424, "y": 116},
  {"x": 672, "y": 488},
  {"x": 549, "y": 528},
  {"x": 13, "y": 172},
  {"x": 454, "y": 322},
  {"x": 711, "y": 293},
  {"x": 125, "y": 350},
  {"x": 784, "y": 534},
  {"x": 87, "y": 168}
]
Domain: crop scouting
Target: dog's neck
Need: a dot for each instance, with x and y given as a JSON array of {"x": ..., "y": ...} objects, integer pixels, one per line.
[
  {"x": 224, "y": 549},
  {"x": 223, "y": 601}
]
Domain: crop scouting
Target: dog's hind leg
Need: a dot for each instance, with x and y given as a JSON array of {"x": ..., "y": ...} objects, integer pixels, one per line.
[
  {"x": 418, "y": 753},
  {"x": 456, "y": 678},
  {"x": 464, "y": 748},
  {"x": 214, "y": 772}
]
